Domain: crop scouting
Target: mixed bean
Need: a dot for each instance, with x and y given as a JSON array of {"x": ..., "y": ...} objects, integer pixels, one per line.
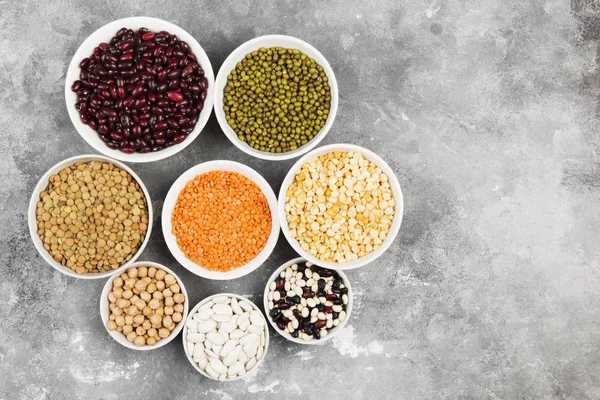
[
  {"x": 146, "y": 304},
  {"x": 92, "y": 217},
  {"x": 221, "y": 220},
  {"x": 226, "y": 337},
  {"x": 340, "y": 207},
  {"x": 307, "y": 301},
  {"x": 276, "y": 99},
  {"x": 143, "y": 91}
]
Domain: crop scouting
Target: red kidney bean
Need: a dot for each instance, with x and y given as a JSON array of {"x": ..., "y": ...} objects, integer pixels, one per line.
[
  {"x": 175, "y": 96},
  {"x": 127, "y": 149},
  {"x": 320, "y": 323},
  {"x": 160, "y": 141},
  {"x": 138, "y": 90},
  {"x": 174, "y": 85},
  {"x": 127, "y": 56},
  {"x": 174, "y": 74},
  {"x": 157, "y": 110},
  {"x": 76, "y": 85},
  {"x": 179, "y": 138},
  {"x": 161, "y": 126}
]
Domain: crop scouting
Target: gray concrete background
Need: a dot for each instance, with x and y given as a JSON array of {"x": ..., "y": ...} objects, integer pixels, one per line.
[{"x": 488, "y": 113}]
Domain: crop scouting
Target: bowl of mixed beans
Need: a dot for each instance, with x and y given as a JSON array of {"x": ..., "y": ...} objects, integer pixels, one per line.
[{"x": 220, "y": 220}]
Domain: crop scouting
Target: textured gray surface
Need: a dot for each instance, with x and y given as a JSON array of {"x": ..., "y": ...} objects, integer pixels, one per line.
[{"x": 486, "y": 110}]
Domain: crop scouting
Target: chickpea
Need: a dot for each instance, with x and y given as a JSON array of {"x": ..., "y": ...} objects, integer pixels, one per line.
[
  {"x": 119, "y": 329},
  {"x": 170, "y": 279},
  {"x": 122, "y": 303},
  {"x": 127, "y": 329},
  {"x": 152, "y": 332},
  {"x": 129, "y": 283},
  {"x": 127, "y": 294},
  {"x": 140, "y": 304},
  {"x": 142, "y": 272},
  {"x": 178, "y": 308},
  {"x": 132, "y": 272},
  {"x": 154, "y": 304},
  {"x": 150, "y": 341},
  {"x": 118, "y": 282},
  {"x": 146, "y": 324},
  {"x": 118, "y": 292},
  {"x": 129, "y": 319},
  {"x": 139, "y": 341},
  {"x": 117, "y": 311},
  {"x": 132, "y": 310},
  {"x": 111, "y": 325},
  {"x": 160, "y": 311},
  {"x": 112, "y": 317},
  {"x": 175, "y": 288},
  {"x": 167, "y": 321},
  {"x": 145, "y": 296},
  {"x": 140, "y": 331},
  {"x": 169, "y": 301},
  {"x": 169, "y": 310},
  {"x": 157, "y": 295},
  {"x": 139, "y": 319},
  {"x": 136, "y": 290},
  {"x": 120, "y": 321},
  {"x": 134, "y": 298},
  {"x": 167, "y": 293},
  {"x": 151, "y": 272},
  {"x": 131, "y": 336},
  {"x": 111, "y": 297},
  {"x": 147, "y": 311},
  {"x": 160, "y": 274},
  {"x": 147, "y": 280},
  {"x": 156, "y": 321},
  {"x": 140, "y": 285},
  {"x": 124, "y": 276},
  {"x": 179, "y": 298},
  {"x": 163, "y": 333},
  {"x": 160, "y": 285},
  {"x": 171, "y": 327},
  {"x": 177, "y": 317},
  {"x": 151, "y": 288}
]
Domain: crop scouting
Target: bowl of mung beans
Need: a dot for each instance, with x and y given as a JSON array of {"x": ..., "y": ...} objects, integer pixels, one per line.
[
  {"x": 276, "y": 97},
  {"x": 340, "y": 206},
  {"x": 220, "y": 220},
  {"x": 144, "y": 306},
  {"x": 89, "y": 215}
]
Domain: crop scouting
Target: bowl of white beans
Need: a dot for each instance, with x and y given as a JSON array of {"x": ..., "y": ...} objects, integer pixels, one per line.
[
  {"x": 226, "y": 337},
  {"x": 144, "y": 306}
]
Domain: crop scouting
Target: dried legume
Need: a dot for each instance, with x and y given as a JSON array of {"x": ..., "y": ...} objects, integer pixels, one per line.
[
  {"x": 277, "y": 99},
  {"x": 149, "y": 321},
  {"x": 221, "y": 220},
  {"x": 143, "y": 91},
  {"x": 307, "y": 301},
  {"x": 340, "y": 207},
  {"x": 92, "y": 217},
  {"x": 226, "y": 337}
]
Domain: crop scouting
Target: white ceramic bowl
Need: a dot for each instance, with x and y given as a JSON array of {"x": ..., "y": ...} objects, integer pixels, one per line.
[
  {"x": 273, "y": 41},
  {"x": 191, "y": 315},
  {"x": 331, "y": 332},
  {"x": 104, "y": 34},
  {"x": 105, "y": 311},
  {"x": 171, "y": 199},
  {"x": 397, "y": 192},
  {"x": 41, "y": 186}
]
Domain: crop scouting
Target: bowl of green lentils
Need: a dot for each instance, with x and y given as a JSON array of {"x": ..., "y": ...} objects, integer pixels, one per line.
[{"x": 276, "y": 97}]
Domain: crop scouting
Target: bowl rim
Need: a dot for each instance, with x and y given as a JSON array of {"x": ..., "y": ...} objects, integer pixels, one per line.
[
  {"x": 191, "y": 315},
  {"x": 119, "y": 337},
  {"x": 237, "y": 55},
  {"x": 396, "y": 191},
  {"x": 171, "y": 199},
  {"x": 43, "y": 183},
  {"x": 104, "y": 33},
  {"x": 331, "y": 333}
]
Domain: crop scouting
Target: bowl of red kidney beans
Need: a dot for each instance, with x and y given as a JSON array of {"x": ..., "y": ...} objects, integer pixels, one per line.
[
  {"x": 306, "y": 303},
  {"x": 139, "y": 89}
]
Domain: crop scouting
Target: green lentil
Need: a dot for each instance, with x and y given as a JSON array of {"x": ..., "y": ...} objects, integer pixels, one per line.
[{"x": 276, "y": 99}]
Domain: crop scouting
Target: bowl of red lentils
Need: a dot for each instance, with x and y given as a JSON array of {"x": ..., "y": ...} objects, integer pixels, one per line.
[
  {"x": 220, "y": 220},
  {"x": 340, "y": 206},
  {"x": 90, "y": 215},
  {"x": 144, "y": 306}
]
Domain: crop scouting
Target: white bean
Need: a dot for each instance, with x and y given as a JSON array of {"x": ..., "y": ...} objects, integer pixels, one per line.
[
  {"x": 202, "y": 363},
  {"x": 216, "y": 338},
  {"x": 227, "y": 326},
  {"x": 251, "y": 362},
  {"x": 220, "y": 300},
  {"x": 211, "y": 371},
  {"x": 222, "y": 309},
  {"x": 257, "y": 318},
  {"x": 228, "y": 347},
  {"x": 235, "y": 368},
  {"x": 246, "y": 306},
  {"x": 259, "y": 352},
  {"x": 250, "y": 349},
  {"x": 196, "y": 337},
  {"x": 231, "y": 358},
  {"x": 255, "y": 329},
  {"x": 192, "y": 326},
  {"x": 220, "y": 317},
  {"x": 249, "y": 339},
  {"x": 204, "y": 314},
  {"x": 207, "y": 326},
  {"x": 236, "y": 334}
]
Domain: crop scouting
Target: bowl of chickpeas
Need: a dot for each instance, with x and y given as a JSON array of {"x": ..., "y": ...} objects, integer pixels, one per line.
[
  {"x": 144, "y": 306},
  {"x": 340, "y": 206}
]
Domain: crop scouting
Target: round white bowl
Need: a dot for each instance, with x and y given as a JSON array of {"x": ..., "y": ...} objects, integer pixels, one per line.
[
  {"x": 396, "y": 190},
  {"x": 105, "y": 311},
  {"x": 171, "y": 199},
  {"x": 273, "y": 41},
  {"x": 331, "y": 332},
  {"x": 191, "y": 315},
  {"x": 104, "y": 34},
  {"x": 41, "y": 186}
]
